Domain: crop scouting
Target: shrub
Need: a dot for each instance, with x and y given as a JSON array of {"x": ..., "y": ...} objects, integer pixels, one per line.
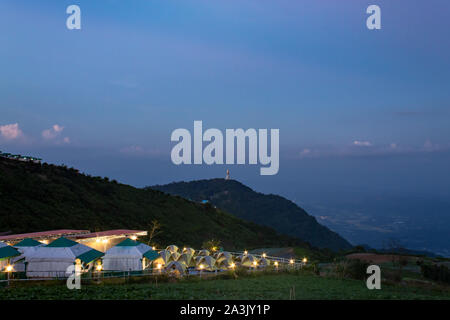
[
  {"x": 356, "y": 269},
  {"x": 435, "y": 272}
]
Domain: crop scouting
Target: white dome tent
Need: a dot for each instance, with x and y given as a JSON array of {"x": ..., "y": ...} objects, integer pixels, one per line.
[
  {"x": 129, "y": 255},
  {"x": 26, "y": 247},
  {"x": 53, "y": 259}
]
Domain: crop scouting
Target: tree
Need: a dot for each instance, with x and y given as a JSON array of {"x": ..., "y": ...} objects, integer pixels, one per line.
[
  {"x": 211, "y": 245},
  {"x": 154, "y": 230}
]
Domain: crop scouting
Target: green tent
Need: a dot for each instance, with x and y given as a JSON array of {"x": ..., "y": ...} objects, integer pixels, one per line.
[
  {"x": 8, "y": 252},
  {"x": 28, "y": 242}
]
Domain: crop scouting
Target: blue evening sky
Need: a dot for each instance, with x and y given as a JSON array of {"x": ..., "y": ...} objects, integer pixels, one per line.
[{"x": 359, "y": 111}]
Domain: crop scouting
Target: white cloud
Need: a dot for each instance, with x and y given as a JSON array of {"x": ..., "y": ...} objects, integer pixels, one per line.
[
  {"x": 53, "y": 132},
  {"x": 66, "y": 140},
  {"x": 360, "y": 143},
  {"x": 10, "y": 131}
]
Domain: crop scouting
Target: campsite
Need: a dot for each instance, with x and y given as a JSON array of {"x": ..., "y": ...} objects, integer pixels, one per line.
[{"x": 133, "y": 270}]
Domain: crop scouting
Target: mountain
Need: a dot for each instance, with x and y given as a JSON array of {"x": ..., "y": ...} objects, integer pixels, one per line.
[
  {"x": 38, "y": 197},
  {"x": 271, "y": 210}
]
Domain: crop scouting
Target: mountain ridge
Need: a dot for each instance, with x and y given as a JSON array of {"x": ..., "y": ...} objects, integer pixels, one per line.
[{"x": 236, "y": 198}]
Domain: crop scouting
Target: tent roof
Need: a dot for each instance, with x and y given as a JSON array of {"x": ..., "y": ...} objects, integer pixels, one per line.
[
  {"x": 151, "y": 255},
  {"x": 90, "y": 256},
  {"x": 28, "y": 242},
  {"x": 8, "y": 252},
  {"x": 128, "y": 243},
  {"x": 62, "y": 243}
]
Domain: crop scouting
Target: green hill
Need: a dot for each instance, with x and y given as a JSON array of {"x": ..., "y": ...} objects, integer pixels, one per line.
[
  {"x": 271, "y": 210},
  {"x": 35, "y": 197}
]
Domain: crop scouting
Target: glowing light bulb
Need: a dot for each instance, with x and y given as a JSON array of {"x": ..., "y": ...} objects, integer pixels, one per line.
[
  {"x": 201, "y": 266},
  {"x": 133, "y": 237},
  {"x": 255, "y": 263},
  {"x": 158, "y": 266},
  {"x": 264, "y": 255},
  {"x": 305, "y": 260},
  {"x": 232, "y": 266},
  {"x": 9, "y": 268},
  {"x": 245, "y": 252},
  {"x": 99, "y": 267},
  {"x": 291, "y": 261}
]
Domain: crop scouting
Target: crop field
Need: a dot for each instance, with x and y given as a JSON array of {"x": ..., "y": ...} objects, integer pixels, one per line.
[{"x": 265, "y": 286}]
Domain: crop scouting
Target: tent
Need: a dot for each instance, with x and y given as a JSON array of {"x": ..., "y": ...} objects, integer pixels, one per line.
[
  {"x": 53, "y": 259},
  {"x": 249, "y": 260},
  {"x": 165, "y": 257},
  {"x": 203, "y": 252},
  {"x": 224, "y": 259},
  {"x": 176, "y": 267},
  {"x": 172, "y": 248},
  {"x": 26, "y": 247},
  {"x": 187, "y": 260},
  {"x": 6, "y": 254},
  {"x": 264, "y": 262},
  {"x": 189, "y": 251},
  {"x": 225, "y": 255},
  {"x": 175, "y": 256},
  {"x": 207, "y": 262},
  {"x": 128, "y": 255}
]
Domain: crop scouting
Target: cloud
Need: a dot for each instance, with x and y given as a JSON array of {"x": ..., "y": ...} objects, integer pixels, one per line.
[
  {"x": 53, "y": 132},
  {"x": 11, "y": 131},
  {"x": 362, "y": 143},
  {"x": 365, "y": 148}
]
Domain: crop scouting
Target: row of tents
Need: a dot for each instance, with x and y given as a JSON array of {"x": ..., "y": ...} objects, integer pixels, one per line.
[
  {"x": 52, "y": 260},
  {"x": 19, "y": 157}
]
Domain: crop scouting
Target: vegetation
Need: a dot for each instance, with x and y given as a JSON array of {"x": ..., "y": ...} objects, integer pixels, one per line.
[
  {"x": 290, "y": 285},
  {"x": 35, "y": 197},
  {"x": 271, "y": 210},
  {"x": 439, "y": 273}
]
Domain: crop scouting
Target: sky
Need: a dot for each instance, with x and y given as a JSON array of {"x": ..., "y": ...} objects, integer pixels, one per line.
[{"x": 359, "y": 111}]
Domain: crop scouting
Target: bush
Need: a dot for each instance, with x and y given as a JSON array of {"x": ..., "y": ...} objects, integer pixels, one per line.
[
  {"x": 357, "y": 269},
  {"x": 435, "y": 272}
]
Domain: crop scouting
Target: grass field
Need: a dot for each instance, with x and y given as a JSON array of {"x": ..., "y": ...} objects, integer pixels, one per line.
[{"x": 272, "y": 286}]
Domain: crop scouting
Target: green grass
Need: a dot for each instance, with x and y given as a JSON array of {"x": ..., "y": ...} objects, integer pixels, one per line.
[{"x": 272, "y": 286}]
